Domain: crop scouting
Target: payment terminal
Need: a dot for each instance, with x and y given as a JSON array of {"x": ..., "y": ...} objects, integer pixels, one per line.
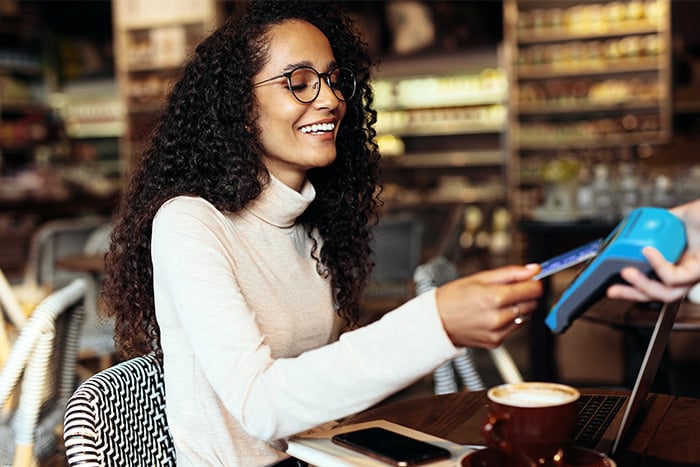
[{"x": 644, "y": 226}]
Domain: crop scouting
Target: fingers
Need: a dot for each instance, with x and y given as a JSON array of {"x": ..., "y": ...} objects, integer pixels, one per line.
[
  {"x": 517, "y": 314},
  {"x": 662, "y": 268},
  {"x": 643, "y": 289},
  {"x": 506, "y": 274}
]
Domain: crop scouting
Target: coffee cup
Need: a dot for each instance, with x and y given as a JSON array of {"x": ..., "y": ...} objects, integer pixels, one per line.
[{"x": 531, "y": 423}]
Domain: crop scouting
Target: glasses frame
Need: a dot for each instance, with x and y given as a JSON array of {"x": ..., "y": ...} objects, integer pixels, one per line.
[{"x": 326, "y": 77}]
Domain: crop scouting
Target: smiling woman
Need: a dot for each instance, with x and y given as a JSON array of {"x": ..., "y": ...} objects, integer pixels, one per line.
[{"x": 241, "y": 249}]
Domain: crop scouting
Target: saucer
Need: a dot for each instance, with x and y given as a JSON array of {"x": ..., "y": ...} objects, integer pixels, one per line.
[{"x": 574, "y": 457}]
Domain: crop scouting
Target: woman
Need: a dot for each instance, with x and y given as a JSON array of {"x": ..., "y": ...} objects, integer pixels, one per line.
[{"x": 245, "y": 233}]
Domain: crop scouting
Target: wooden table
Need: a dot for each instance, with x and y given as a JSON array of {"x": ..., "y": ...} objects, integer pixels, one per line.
[{"x": 667, "y": 432}]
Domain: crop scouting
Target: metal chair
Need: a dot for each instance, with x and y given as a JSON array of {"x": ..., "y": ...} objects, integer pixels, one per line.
[
  {"x": 397, "y": 243},
  {"x": 432, "y": 274},
  {"x": 54, "y": 239},
  {"x": 117, "y": 418},
  {"x": 62, "y": 237},
  {"x": 40, "y": 374}
]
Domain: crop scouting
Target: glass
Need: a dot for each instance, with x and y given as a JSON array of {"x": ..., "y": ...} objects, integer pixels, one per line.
[{"x": 305, "y": 83}]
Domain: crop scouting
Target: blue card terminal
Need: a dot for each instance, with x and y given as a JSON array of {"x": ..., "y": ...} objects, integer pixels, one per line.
[{"x": 644, "y": 226}]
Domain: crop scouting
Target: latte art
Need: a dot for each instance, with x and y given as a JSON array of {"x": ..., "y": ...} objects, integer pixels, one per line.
[{"x": 529, "y": 395}]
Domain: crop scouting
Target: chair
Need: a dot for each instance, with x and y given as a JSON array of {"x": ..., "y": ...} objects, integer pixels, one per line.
[
  {"x": 54, "y": 239},
  {"x": 98, "y": 332},
  {"x": 10, "y": 310},
  {"x": 432, "y": 274},
  {"x": 397, "y": 243},
  {"x": 10, "y": 304},
  {"x": 62, "y": 237},
  {"x": 117, "y": 417},
  {"x": 40, "y": 373}
]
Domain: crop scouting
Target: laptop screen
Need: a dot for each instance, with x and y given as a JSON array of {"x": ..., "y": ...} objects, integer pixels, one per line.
[{"x": 650, "y": 365}]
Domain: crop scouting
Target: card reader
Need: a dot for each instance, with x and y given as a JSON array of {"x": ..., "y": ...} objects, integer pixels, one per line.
[{"x": 644, "y": 226}]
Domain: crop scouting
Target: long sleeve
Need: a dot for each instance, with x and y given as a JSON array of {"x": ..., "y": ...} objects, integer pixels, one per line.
[{"x": 246, "y": 322}]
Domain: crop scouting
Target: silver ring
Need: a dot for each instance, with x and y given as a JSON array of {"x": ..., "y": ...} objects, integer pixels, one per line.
[{"x": 519, "y": 318}]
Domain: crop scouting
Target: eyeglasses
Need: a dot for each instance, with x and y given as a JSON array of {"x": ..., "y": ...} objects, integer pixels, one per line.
[{"x": 305, "y": 83}]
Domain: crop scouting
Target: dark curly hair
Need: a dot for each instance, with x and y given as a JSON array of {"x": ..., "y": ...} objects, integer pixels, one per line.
[{"x": 206, "y": 144}]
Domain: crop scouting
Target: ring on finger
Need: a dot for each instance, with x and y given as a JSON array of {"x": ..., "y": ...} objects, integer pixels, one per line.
[{"x": 519, "y": 318}]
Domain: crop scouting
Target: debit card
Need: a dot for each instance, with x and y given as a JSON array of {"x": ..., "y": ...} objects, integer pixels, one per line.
[{"x": 570, "y": 258}]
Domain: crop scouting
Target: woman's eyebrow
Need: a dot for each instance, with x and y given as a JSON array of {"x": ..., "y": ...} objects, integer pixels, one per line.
[
  {"x": 294, "y": 65},
  {"x": 329, "y": 66}
]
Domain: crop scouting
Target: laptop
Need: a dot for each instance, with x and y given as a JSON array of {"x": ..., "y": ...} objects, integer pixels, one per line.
[{"x": 605, "y": 420}]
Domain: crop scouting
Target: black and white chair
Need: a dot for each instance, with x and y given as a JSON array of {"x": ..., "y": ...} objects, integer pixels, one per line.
[
  {"x": 39, "y": 375},
  {"x": 117, "y": 418}
]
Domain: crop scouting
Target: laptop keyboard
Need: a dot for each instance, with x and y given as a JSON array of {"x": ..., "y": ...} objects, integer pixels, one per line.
[{"x": 596, "y": 412}]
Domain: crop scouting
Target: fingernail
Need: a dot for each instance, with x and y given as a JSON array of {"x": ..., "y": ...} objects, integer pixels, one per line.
[{"x": 533, "y": 266}]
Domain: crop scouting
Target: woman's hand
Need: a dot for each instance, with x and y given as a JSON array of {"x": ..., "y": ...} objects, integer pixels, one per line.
[
  {"x": 673, "y": 279},
  {"x": 480, "y": 310}
]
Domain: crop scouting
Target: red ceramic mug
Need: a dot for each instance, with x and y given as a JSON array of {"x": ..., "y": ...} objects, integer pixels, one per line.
[{"x": 531, "y": 423}]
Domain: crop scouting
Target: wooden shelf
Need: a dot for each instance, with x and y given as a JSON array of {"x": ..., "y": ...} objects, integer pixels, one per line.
[
  {"x": 594, "y": 86},
  {"x": 162, "y": 34}
]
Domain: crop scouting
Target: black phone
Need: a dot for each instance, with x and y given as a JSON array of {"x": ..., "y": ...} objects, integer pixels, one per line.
[{"x": 390, "y": 447}]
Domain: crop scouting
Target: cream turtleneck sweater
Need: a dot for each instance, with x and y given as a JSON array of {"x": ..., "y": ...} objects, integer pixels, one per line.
[{"x": 246, "y": 327}]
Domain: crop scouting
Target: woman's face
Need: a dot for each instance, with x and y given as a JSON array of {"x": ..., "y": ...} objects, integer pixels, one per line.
[{"x": 291, "y": 144}]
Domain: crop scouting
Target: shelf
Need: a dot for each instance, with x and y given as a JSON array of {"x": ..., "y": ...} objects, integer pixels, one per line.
[
  {"x": 590, "y": 68},
  {"x": 21, "y": 106},
  {"x": 609, "y": 30},
  {"x": 471, "y": 61},
  {"x": 80, "y": 130},
  {"x": 445, "y": 160},
  {"x": 592, "y": 81},
  {"x": 149, "y": 14},
  {"x": 154, "y": 66},
  {"x": 584, "y": 107},
  {"x": 18, "y": 67},
  {"x": 465, "y": 100},
  {"x": 153, "y": 40},
  {"x": 429, "y": 202},
  {"x": 596, "y": 141},
  {"x": 442, "y": 128}
]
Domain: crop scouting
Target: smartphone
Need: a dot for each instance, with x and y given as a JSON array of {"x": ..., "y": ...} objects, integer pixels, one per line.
[
  {"x": 570, "y": 258},
  {"x": 391, "y": 447}
]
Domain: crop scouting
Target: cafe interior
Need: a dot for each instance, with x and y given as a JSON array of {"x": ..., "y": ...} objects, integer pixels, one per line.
[{"x": 511, "y": 131}]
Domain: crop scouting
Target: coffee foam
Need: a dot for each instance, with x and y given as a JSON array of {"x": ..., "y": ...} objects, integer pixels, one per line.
[{"x": 533, "y": 395}]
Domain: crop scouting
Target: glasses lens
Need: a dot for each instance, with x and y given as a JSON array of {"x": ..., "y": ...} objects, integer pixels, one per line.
[
  {"x": 342, "y": 82},
  {"x": 305, "y": 84}
]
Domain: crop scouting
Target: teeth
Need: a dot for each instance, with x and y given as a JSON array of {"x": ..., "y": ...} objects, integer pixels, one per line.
[{"x": 318, "y": 127}]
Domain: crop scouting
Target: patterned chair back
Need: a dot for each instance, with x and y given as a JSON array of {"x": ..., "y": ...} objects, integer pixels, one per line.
[{"x": 117, "y": 418}]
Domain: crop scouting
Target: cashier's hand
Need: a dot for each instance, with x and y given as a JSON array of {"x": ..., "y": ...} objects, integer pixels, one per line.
[
  {"x": 673, "y": 279},
  {"x": 482, "y": 309}
]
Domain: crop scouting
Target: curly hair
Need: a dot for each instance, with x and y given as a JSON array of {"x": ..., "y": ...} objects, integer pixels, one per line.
[{"x": 206, "y": 144}]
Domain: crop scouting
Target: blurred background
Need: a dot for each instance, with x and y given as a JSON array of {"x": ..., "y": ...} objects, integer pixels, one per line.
[{"x": 510, "y": 131}]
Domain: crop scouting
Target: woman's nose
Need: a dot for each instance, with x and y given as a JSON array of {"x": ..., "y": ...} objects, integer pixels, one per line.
[{"x": 326, "y": 96}]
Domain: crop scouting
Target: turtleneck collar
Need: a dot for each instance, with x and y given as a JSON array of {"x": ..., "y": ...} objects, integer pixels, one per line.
[{"x": 280, "y": 205}]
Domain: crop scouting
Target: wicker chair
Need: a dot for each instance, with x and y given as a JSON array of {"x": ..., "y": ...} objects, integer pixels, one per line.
[
  {"x": 40, "y": 374},
  {"x": 117, "y": 418},
  {"x": 432, "y": 274},
  {"x": 12, "y": 317}
]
